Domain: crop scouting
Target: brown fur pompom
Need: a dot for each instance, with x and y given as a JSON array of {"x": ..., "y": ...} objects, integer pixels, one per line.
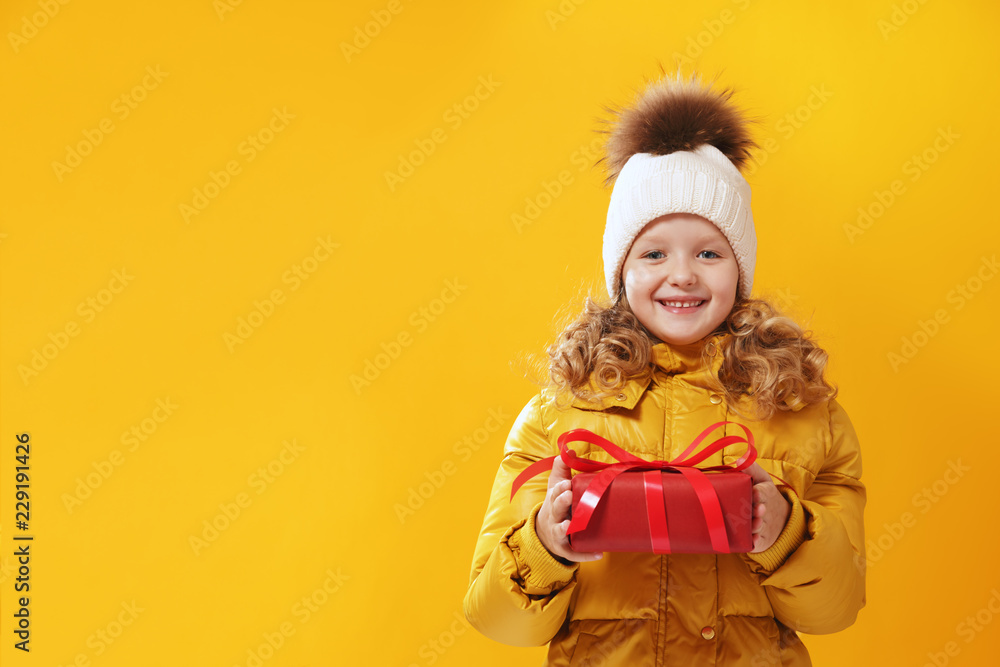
[{"x": 676, "y": 114}]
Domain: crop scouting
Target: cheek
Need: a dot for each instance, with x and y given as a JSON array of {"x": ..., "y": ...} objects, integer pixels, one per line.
[
  {"x": 729, "y": 286},
  {"x": 636, "y": 280},
  {"x": 727, "y": 281}
]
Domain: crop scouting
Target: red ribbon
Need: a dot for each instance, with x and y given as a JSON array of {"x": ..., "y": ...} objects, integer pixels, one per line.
[{"x": 652, "y": 480}]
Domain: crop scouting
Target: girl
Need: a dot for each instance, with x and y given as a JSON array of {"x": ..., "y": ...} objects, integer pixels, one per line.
[{"x": 682, "y": 345}]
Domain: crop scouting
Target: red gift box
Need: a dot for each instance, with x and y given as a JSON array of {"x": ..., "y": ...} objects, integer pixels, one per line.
[
  {"x": 621, "y": 521},
  {"x": 657, "y": 506}
]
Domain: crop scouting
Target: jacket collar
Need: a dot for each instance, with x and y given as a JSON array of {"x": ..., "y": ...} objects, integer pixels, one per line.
[
  {"x": 677, "y": 359},
  {"x": 670, "y": 359}
]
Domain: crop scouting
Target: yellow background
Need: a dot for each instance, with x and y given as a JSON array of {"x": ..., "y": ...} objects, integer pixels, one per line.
[{"x": 847, "y": 92}]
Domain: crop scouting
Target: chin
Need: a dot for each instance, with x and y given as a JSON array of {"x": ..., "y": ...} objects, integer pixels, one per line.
[{"x": 680, "y": 340}]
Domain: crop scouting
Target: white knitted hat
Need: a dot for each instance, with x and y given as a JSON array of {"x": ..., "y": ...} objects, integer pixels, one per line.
[
  {"x": 678, "y": 149},
  {"x": 703, "y": 182}
]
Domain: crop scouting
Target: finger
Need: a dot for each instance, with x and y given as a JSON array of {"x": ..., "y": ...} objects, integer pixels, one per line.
[
  {"x": 757, "y": 474},
  {"x": 555, "y": 490},
  {"x": 558, "y": 488},
  {"x": 581, "y": 557},
  {"x": 577, "y": 556},
  {"x": 560, "y": 471},
  {"x": 561, "y": 504}
]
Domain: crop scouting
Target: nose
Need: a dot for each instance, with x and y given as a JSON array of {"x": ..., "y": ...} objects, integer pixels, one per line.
[{"x": 680, "y": 272}]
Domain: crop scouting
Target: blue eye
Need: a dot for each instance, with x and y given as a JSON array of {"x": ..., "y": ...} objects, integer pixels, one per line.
[
  {"x": 651, "y": 253},
  {"x": 714, "y": 254}
]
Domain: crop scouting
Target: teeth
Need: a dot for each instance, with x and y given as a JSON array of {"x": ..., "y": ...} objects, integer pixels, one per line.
[{"x": 681, "y": 304}]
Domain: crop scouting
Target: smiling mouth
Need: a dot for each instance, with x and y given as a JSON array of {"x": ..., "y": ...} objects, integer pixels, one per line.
[{"x": 681, "y": 304}]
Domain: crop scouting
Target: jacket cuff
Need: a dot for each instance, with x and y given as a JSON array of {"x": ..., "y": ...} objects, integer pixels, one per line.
[
  {"x": 792, "y": 535},
  {"x": 537, "y": 567}
]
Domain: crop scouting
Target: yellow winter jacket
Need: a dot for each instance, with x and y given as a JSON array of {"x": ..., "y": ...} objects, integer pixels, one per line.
[{"x": 684, "y": 609}]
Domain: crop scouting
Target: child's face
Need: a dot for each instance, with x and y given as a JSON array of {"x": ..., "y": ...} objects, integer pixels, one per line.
[{"x": 680, "y": 257}]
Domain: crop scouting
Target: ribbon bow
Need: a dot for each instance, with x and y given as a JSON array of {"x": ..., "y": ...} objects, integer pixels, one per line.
[{"x": 652, "y": 478}]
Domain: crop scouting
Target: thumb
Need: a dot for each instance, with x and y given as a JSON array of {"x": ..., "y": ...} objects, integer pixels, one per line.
[
  {"x": 560, "y": 471},
  {"x": 757, "y": 474}
]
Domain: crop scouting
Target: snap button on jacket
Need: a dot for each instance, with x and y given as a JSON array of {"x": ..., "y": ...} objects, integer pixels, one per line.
[{"x": 683, "y": 609}]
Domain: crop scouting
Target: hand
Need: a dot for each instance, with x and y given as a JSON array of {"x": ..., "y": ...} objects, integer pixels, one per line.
[
  {"x": 770, "y": 510},
  {"x": 553, "y": 519}
]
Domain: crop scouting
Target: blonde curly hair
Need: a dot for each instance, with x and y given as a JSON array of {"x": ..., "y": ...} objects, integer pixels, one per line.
[{"x": 766, "y": 356}]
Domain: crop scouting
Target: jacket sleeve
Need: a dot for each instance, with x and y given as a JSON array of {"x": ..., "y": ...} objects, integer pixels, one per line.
[
  {"x": 818, "y": 586},
  {"x": 519, "y": 593}
]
